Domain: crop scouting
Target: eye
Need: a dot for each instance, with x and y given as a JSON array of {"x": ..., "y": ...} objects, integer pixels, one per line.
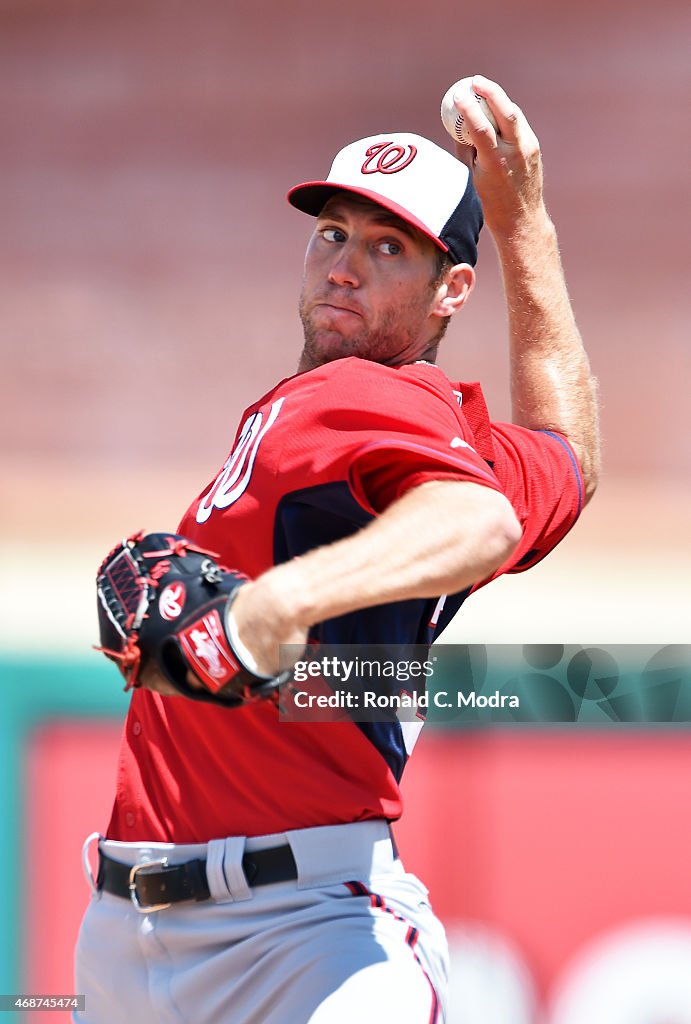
[
  {"x": 332, "y": 235},
  {"x": 390, "y": 248}
]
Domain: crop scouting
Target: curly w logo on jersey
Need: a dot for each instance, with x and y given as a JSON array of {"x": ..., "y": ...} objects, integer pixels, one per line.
[{"x": 234, "y": 478}]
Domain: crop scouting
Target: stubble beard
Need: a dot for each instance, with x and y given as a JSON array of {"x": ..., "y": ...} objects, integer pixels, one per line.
[{"x": 386, "y": 341}]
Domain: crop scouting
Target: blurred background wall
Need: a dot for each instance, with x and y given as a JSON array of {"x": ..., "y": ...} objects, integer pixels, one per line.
[{"x": 149, "y": 270}]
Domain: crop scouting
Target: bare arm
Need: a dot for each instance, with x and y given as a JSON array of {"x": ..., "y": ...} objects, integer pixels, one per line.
[
  {"x": 438, "y": 538},
  {"x": 551, "y": 384}
]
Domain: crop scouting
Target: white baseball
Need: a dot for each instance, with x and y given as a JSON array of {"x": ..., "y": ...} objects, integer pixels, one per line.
[{"x": 453, "y": 121}]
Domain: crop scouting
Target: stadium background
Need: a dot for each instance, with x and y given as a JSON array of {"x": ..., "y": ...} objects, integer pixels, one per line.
[{"x": 150, "y": 269}]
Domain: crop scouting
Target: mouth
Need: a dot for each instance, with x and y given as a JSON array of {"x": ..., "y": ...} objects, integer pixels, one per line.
[{"x": 338, "y": 307}]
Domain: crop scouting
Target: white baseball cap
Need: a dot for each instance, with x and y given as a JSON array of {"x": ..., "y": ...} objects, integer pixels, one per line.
[{"x": 412, "y": 177}]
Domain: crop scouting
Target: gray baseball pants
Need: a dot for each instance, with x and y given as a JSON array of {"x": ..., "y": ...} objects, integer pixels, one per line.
[{"x": 352, "y": 939}]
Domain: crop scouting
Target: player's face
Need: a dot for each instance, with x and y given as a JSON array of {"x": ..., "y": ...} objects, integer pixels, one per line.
[{"x": 368, "y": 287}]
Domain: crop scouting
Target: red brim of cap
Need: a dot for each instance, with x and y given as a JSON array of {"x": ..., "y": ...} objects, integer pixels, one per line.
[{"x": 310, "y": 197}]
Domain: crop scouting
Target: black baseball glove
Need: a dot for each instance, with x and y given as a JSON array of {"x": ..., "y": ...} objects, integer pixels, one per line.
[{"x": 162, "y": 598}]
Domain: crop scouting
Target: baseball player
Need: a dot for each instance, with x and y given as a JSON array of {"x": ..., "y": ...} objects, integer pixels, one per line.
[{"x": 249, "y": 873}]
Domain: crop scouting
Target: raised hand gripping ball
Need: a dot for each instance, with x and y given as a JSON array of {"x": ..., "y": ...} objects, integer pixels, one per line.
[{"x": 453, "y": 120}]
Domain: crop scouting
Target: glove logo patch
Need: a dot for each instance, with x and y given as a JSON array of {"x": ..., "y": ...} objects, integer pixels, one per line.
[
  {"x": 172, "y": 601},
  {"x": 206, "y": 648}
]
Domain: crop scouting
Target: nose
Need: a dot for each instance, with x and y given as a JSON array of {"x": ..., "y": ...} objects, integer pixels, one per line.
[{"x": 346, "y": 268}]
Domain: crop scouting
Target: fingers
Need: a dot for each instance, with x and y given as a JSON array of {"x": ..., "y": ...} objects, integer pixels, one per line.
[
  {"x": 193, "y": 682},
  {"x": 512, "y": 127},
  {"x": 476, "y": 117},
  {"x": 511, "y": 121},
  {"x": 505, "y": 160},
  {"x": 150, "y": 678}
]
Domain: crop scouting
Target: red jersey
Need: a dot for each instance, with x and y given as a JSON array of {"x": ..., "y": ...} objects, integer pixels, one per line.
[{"x": 314, "y": 460}]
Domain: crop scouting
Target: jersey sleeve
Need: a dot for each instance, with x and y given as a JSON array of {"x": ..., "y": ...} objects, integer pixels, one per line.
[
  {"x": 384, "y": 484},
  {"x": 540, "y": 475},
  {"x": 418, "y": 434}
]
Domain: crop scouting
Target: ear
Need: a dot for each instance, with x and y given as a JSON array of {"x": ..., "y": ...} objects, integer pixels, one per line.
[{"x": 454, "y": 290}]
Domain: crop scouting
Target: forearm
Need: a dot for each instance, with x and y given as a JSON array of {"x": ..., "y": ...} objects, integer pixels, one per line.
[
  {"x": 438, "y": 538},
  {"x": 551, "y": 384}
]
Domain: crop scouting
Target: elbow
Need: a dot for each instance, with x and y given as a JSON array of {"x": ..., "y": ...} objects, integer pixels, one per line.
[
  {"x": 503, "y": 534},
  {"x": 589, "y": 449},
  {"x": 590, "y": 462},
  {"x": 590, "y": 486},
  {"x": 591, "y": 478},
  {"x": 477, "y": 532},
  {"x": 507, "y": 533}
]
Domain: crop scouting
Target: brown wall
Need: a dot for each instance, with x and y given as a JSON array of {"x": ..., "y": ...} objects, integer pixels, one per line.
[{"x": 149, "y": 264}]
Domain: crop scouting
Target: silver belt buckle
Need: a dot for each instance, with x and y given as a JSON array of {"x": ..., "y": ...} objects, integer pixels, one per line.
[{"x": 143, "y": 908}]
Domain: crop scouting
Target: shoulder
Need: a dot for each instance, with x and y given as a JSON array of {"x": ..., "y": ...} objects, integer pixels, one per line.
[{"x": 354, "y": 395}]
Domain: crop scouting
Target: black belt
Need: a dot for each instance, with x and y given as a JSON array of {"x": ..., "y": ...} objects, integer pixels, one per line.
[{"x": 156, "y": 884}]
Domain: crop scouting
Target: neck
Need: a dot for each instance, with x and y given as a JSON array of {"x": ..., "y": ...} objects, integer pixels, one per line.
[{"x": 428, "y": 355}]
